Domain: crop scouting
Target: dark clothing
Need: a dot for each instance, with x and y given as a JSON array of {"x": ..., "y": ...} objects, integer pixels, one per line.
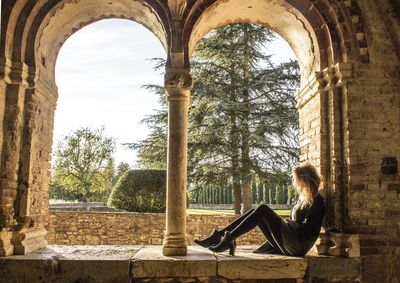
[
  {"x": 294, "y": 236},
  {"x": 306, "y": 222}
]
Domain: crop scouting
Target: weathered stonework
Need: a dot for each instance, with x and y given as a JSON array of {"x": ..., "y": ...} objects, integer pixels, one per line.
[
  {"x": 147, "y": 264},
  {"x": 349, "y": 104}
]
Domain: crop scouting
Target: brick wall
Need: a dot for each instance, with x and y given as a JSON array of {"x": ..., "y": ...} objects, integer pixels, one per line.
[{"x": 129, "y": 228}]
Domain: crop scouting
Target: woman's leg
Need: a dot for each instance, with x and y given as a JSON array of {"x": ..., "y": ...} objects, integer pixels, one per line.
[
  {"x": 269, "y": 223},
  {"x": 271, "y": 240},
  {"x": 236, "y": 222},
  {"x": 216, "y": 235}
]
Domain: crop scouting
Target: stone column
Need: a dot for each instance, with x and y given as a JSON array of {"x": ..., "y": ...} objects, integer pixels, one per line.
[
  {"x": 177, "y": 84},
  {"x": 322, "y": 105},
  {"x": 19, "y": 234},
  {"x": 13, "y": 85}
]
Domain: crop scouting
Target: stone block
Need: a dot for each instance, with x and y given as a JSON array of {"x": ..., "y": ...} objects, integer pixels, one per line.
[
  {"x": 29, "y": 240},
  {"x": 103, "y": 264},
  {"x": 339, "y": 244},
  {"x": 377, "y": 268},
  {"x": 149, "y": 262},
  {"x": 333, "y": 269},
  {"x": 37, "y": 267},
  {"x": 248, "y": 266}
]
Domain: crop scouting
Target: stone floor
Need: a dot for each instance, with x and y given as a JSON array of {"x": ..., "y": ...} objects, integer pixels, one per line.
[{"x": 147, "y": 264}]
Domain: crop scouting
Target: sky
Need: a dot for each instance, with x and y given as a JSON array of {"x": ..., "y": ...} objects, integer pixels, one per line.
[{"x": 100, "y": 72}]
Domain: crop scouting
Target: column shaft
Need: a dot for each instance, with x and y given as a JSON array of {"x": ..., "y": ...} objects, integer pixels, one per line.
[{"x": 178, "y": 92}]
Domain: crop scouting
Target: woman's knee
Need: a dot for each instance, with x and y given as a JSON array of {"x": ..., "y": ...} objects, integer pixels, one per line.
[{"x": 263, "y": 208}]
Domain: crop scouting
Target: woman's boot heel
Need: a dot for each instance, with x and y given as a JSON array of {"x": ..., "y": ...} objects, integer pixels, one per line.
[
  {"x": 232, "y": 249},
  {"x": 227, "y": 242}
]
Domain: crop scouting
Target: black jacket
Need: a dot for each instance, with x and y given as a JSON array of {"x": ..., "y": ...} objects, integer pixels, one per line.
[{"x": 306, "y": 222}]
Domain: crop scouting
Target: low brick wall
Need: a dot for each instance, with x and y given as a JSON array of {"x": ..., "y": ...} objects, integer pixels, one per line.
[{"x": 129, "y": 228}]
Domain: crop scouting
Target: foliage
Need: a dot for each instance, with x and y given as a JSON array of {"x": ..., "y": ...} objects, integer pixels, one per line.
[
  {"x": 84, "y": 167},
  {"x": 120, "y": 170},
  {"x": 282, "y": 193},
  {"x": 140, "y": 191},
  {"x": 243, "y": 119}
]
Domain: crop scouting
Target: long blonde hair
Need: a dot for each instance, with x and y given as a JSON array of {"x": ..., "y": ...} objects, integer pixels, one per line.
[{"x": 307, "y": 182}]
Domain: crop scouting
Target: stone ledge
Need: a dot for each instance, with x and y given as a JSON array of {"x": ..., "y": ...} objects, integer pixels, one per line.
[
  {"x": 147, "y": 264},
  {"x": 247, "y": 265},
  {"x": 69, "y": 264}
]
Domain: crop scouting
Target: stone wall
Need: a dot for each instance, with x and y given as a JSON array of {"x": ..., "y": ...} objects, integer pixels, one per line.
[{"x": 123, "y": 228}]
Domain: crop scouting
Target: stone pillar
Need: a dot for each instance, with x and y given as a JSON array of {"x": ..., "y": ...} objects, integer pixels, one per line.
[
  {"x": 177, "y": 84},
  {"x": 18, "y": 233},
  {"x": 324, "y": 142},
  {"x": 334, "y": 155}
]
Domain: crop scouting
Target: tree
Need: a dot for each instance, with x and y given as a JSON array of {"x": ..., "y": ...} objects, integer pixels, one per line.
[
  {"x": 121, "y": 169},
  {"x": 243, "y": 119},
  {"x": 84, "y": 165}
]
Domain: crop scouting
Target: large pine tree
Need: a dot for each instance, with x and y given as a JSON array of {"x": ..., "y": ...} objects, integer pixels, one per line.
[{"x": 243, "y": 119}]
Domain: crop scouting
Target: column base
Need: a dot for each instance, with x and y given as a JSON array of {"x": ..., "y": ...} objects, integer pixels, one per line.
[
  {"x": 339, "y": 244},
  {"x": 6, "y": 247},
  {"x": 174, "y": 245},
  {"x": 29, "y": 240}
]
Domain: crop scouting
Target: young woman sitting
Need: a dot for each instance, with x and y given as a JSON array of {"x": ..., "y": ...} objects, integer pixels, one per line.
[{"x": 294, "y": 236}]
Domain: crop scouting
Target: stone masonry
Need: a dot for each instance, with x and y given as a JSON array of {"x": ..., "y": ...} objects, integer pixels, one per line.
[{"x": 130, "y": 228}]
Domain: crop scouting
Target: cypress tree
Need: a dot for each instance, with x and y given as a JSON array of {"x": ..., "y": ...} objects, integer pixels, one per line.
[
  {"x": 260, "y": 192},
  {"x": 272, "y": 193}
]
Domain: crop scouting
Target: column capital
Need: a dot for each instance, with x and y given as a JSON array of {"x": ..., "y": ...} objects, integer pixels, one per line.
[
  {"x": 177, "y": 8},
  {"x": 17, "y": 73},
  {"x": 178, "y": 78},
  {"x": 5, "y": 70}
]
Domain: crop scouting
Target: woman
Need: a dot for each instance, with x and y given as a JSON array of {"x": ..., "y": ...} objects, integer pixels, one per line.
[{"x": 294, "y": 236}]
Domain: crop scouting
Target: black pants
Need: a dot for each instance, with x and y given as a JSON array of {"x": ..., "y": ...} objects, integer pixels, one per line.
[{"x": 274, "y": 228}]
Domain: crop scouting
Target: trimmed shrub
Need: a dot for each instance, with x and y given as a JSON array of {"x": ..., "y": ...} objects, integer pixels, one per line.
[{"x": 140, "y": 191}]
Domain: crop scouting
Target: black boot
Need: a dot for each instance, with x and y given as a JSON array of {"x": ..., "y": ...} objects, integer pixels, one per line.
[
  {"x": 227, "y": 242},
  {"x": 213, "y": 239}
]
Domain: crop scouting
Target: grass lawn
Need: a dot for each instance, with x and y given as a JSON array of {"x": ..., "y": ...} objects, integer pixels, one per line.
[{"x": 281, "y": 212}]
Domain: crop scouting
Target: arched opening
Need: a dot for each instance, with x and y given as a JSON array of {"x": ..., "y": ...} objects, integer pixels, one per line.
[
  {"x": 243, "y": 121},
  {"x": 317, "y": 39},
  {"x": 35, "y": 35},
  {"x": 280, "y": 17},
  {"x": 100, "y": 72},
  {"x": 65, "y": 21}
]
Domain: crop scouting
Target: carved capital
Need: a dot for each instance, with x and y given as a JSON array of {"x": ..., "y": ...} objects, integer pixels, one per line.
[
  {"x": 323, "y": 80},
  {"x": 177, "y": 8},
  {"x": 19, "y": 74},
  {"x": 5, "y": 70},
  {"x": 178, "y": 78},
  {"x": 335, "y": 76}
]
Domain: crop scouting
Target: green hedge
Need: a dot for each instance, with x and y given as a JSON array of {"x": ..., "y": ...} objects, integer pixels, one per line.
[{"x": 140, "y": 191}]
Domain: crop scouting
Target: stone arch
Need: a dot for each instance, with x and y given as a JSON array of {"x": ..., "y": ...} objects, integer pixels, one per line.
[
  {"x": 327, "y": 37},
  {"x": 34, "y": 33},
  {"x": 320, "y": 34},
  {"x": 50, "y": 23}
]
